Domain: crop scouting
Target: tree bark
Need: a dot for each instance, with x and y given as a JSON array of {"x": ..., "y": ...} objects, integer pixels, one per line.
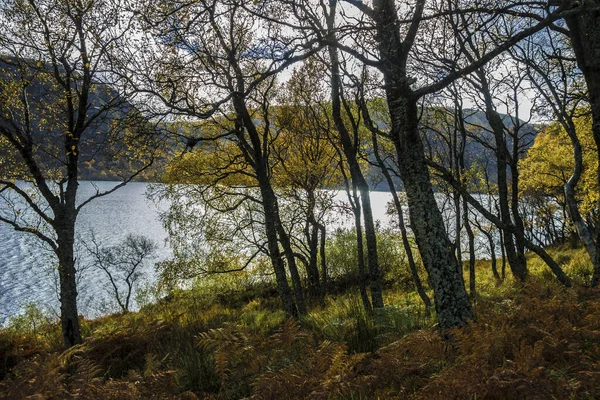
[
  {"x": 493, "y": 256},
  {"x": 314, "y": 284},
  {"x": 312, "y": 237},
  {"x": 553, "y": 265},
  {"x": 363, "y": 277},
  {"x": 452, "y": 304},
  {"x": 451, "y": 300},
  {"x": 459, "y": 152},
  {"x": 273, "y": 230},
  {"x": 584, "y": 28},
  {"x": 502, "y": 253},
  {"x": 290, "y": 257},
  {"x": 400, "y": 213},
  {"x": 372, "y": 256},
  {"x": 324, "y": 273},
  {"x": 471, "y": 236},
  {"x": 69, "y": 319},
  {"x": 490, "y": 238},
  {"x": 283, "y": 287},
  {"x": 516, "y": 213},
  {"x": 585, "y": 234},
  {"x": 457, "y": 230}
]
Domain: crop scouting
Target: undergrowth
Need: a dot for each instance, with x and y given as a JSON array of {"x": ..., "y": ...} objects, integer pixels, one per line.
[{"x": 534, "y": 341}]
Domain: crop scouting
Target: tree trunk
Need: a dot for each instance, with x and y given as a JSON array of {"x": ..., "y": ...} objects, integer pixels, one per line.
[
  {"x": 363, "y": 277},
  {"x": 71, "y": 330},
  {"x": 516, "y": 263},
  {"x": 372, "y": 256},
  {"x": 584, "y": 30},
  {"x": 493, "y": 256},
  {"x": 494, "y": 261},
  {"x": 516, "y": 213},
  {"x": 451, "y": 299},
  {"x": 412, "y": 265},
  {"x": 312, "y": 236},
  {"x": 583, "y": 230},
  {"x": 405, "y": 243},
  {"x": 457, "y": 230},
  {"x": 314, "y": 284},
  {"x": 471, "y": 236},
  {"x": 459, "y": 152},
  {"x": 253, "y": 153},
  {"x": 350, "y": 149},
  {"x": 554, "y": 267},
  {"x": 274, "y": 253},
  {"x": 457, "y": 166},
  {"x": 284, "y": 239},
  {"x": 502, "y": 253},
  {"x": 324, "y": 273}
]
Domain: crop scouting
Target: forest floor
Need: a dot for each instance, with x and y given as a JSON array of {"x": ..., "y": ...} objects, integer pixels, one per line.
[{"x": 532, "y": 341}]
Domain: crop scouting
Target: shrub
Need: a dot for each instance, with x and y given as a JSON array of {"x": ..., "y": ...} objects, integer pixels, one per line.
[{"x": 341, "y": 250}]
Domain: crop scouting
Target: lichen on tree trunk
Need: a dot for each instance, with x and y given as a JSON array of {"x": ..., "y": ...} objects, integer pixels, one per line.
[{"x": 451, "y": 300}]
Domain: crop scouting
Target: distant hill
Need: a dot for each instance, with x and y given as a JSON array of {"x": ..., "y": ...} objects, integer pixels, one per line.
[
  {"x": 101, "y": 140},
  {"x": 99, "y": 144},
  {"x": 478, "y": 148}
]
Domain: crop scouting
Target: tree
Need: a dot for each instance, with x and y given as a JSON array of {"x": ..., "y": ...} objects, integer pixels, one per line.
[
  {"x": 385, "y": 162},
  {"x": 123, "y": 264},
  {"x": 451, "y": 301},
  {"x": 582, "y": 19},
  {"x": 216, "y": 218},
  {"x": 552, "y": 71},
  {"x": 60, "y": 107},
  {"x": 396, "y": 40},
  {"x": 549, "y": 165},
  {"x": 449, "y": 126},
  {"x": 308, "y": 162},
  {"x": 208, "y": 59},
  {"x": 349, "y": 139}
]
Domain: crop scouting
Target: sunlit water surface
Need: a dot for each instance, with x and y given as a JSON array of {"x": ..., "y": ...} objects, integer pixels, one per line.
[{"x": 26, "y": 267}]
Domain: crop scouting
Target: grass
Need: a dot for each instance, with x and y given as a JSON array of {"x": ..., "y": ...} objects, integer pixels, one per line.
[{"x": 537, "y": 340}]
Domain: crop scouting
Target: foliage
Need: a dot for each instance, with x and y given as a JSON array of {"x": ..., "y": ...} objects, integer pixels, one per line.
[
  {"x": 61, "y": 109},
  {"x": 205, "y": 239},
  {"x": 306, "y": 155},
  {"x": 298, "y": 366},
  {"x": 549, "y": 165},
  {"x": 27, "y": 335},
  {"x": 533, "y": 347},
  {"x": 342, "y": 262},
  {"x": 250, "y": 188},
  {"x": 211, "y": 159},
  {"x": 33, "y": 321}
]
